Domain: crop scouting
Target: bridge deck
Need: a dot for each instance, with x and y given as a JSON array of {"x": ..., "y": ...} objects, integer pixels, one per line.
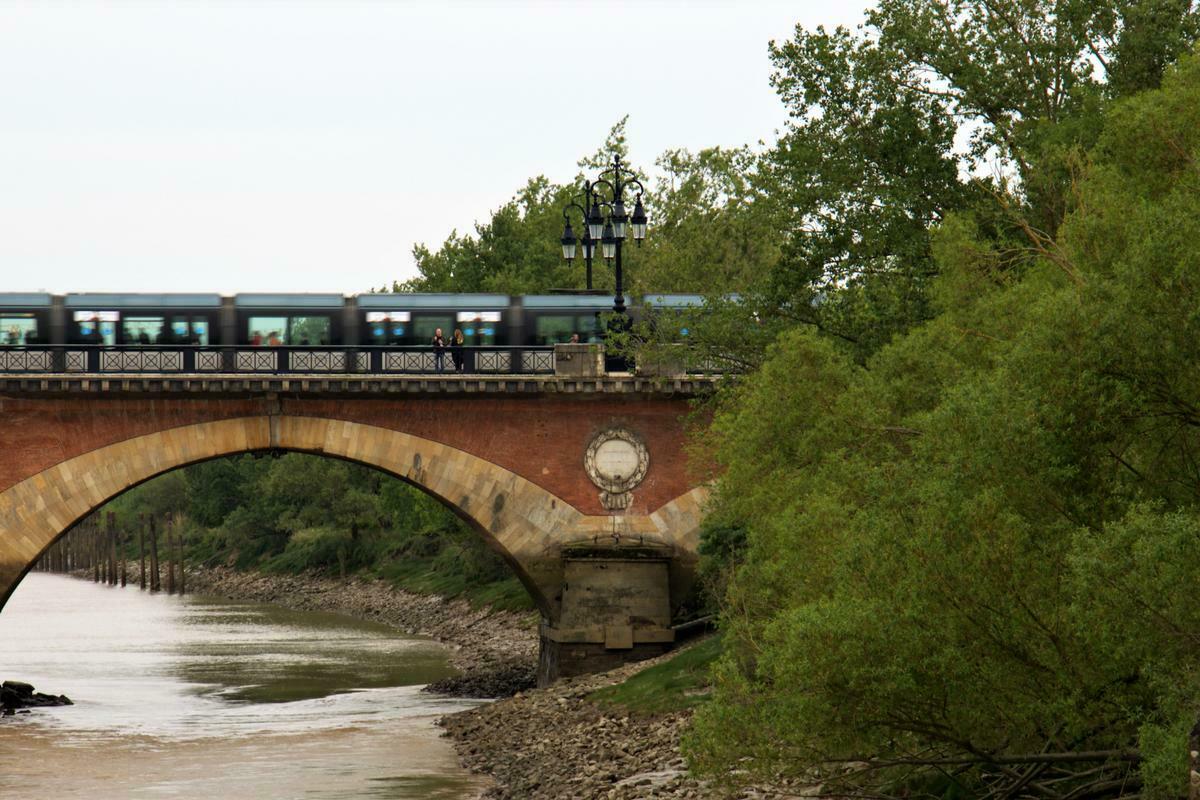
[{"x": 324, "y": 383}]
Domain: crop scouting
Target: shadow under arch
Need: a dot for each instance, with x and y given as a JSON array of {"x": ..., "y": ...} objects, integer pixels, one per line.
[{"x": 519, "y": 520}]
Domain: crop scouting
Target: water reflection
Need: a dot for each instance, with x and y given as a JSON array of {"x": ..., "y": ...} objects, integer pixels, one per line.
[
  {"x": 186, "y": 697},
  {"x": 264, "y": 654}
]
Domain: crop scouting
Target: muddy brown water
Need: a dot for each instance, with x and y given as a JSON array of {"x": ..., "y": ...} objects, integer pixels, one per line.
[{"x": 201, "y": 697}]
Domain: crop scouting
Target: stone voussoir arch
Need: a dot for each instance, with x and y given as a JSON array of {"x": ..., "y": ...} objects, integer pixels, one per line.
[{"x": 523, "y": 522}]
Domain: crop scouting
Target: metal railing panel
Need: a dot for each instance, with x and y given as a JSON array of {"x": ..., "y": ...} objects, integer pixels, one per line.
[
  {"x": 141, "y": 361},
  {"x": 491, "y": 361},
  {"x": 210, "y": 361},
  {"x": 75, "y": 361},
  {"x": 409, "y": 361},
  {"x": 316, "y": 361},
  {"x": 537, "y": 361},
  {"x": 25, "y": 361},
  {"x": 256, "y": 361}
]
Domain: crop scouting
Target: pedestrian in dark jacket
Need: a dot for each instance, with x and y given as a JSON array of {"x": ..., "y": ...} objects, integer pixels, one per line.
[
  {"x": 439, "y": 350},
  {"x": 457, "y": 341}
]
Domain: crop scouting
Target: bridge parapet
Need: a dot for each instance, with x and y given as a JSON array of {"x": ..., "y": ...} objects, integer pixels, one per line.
[{"x": 612, "y": 383}]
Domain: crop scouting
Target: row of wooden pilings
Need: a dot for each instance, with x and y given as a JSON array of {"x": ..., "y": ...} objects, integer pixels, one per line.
[{"x": 99, "y": 546}]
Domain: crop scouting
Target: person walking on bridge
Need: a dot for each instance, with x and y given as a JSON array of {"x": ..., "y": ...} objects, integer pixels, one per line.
[
  {"x": 439, "y": 351},
  {"x": 457, "y": 340}
]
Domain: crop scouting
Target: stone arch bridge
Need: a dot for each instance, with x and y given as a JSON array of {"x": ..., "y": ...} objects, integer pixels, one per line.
[{"x": 581, "y": 486}]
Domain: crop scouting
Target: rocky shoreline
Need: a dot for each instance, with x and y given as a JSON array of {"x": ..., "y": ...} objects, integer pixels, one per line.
[
  {"x": 554, "y": 743},
  {"x": 558, "y": 744}
]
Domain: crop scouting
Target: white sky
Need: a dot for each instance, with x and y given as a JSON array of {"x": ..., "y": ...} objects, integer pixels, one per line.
[{"x": 287, "y": 146}]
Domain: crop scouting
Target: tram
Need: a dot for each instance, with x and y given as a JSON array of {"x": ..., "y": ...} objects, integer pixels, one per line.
[{"x": 326, "y": 332}]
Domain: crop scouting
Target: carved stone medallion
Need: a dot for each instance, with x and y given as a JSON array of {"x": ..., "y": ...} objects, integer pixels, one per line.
[{"x": 616, "y": 460}]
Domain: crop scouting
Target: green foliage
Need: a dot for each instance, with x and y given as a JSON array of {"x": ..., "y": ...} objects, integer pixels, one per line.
[
  {"x": 980, "y": 540},
  {"x": 676, "y": 684},
  {"x": 517, "y": 251},
  {"x": 299, "y": 512}
]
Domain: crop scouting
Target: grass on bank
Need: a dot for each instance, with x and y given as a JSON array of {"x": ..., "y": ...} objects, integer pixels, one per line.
[
  {"x": 421, "y": 577},
  {"x": 679, "y": 683}
]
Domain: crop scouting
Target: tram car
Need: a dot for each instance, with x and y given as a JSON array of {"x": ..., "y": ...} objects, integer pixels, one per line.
[{"x": 384, "y": 332}]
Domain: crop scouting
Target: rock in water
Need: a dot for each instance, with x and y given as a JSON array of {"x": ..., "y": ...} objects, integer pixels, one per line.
[{"x": 17, "y": 694}]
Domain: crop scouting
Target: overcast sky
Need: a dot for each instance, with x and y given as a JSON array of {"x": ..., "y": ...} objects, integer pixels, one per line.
[{"x": 288, "y": 146}]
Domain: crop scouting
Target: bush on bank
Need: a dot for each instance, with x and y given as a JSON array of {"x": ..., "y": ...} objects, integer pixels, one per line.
[
  {"x": 982, "y": 543},
  {"x": 298, "y": 513}
]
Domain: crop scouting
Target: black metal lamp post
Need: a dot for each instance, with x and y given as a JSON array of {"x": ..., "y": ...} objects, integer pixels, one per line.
[
  {"x": 610, "y": 229},
  {"x": 587, "y": 241}
]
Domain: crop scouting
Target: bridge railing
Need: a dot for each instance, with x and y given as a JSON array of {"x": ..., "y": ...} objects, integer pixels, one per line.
[{"x": 300, "y": 359}]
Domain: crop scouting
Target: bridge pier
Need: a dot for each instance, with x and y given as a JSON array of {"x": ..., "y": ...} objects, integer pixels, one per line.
[{"x": 615, "y": 608}]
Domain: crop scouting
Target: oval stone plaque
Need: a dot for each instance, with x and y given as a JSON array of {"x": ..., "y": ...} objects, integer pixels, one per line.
[{"x": 616, "y": 459}]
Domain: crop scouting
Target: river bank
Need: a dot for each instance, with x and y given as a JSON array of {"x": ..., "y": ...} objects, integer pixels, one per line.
[{"x": 561, "y": 743}]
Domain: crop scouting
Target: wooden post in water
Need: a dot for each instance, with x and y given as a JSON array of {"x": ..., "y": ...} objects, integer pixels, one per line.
[
  {"x": 142, "y": 551},
  {"x": 155, "y": 583},
  {"x": 124, "y": 561},
  {"x": 170, "y": 559},
  {"x": 179, "y": 540},
  {"x": 112, "y": 549},
  {"x": 91, "y": 529},
  {"x": 99, "y": 534}
]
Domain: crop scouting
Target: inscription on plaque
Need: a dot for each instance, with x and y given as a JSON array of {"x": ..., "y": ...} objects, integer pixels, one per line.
[{"x": 616, "y": 461}]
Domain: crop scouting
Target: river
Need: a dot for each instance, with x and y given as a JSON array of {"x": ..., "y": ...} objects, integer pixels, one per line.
[{"x": 189, "y": 697}]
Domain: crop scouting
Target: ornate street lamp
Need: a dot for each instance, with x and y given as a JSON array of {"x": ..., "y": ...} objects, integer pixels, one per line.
[
  {"x": 588, "y": 241},
  {"x": 608, "y": 193}
]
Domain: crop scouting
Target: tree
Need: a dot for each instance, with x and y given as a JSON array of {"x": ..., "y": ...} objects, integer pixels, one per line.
[
  {"x": 933, "y": 107},
  {"x": 964, "y": 558}
]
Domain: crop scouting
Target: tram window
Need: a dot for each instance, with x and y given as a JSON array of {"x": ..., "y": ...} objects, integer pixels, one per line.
[
  {"x": 590, "y": 328},
  {"x": 425, "y": 325},
  {"x": 189, "y": 330},
  {"x": 199, "y": 330},
  {"x": 267, "y": 331},
  {"x": 144, "y": 330},
  {"x": 555, "y": 328},
  {"x": 388, "y": 327},
  {"x": 479, "y": 327},
  {"x": 308, "y": 331},
  {"x": 552, "y": 328},
  {"x": 97, "y": 327},
  {"x": 276, "y": 331},
  {"x": 18, "y": 329}
]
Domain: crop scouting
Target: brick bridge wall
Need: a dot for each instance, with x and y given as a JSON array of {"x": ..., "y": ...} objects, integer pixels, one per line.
[{"x": 542, "y": 438}]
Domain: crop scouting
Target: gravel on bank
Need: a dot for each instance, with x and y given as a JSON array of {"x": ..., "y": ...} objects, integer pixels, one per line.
[
  {"x": 496, "y": 651},
  {"x": 555, "y": 744}
]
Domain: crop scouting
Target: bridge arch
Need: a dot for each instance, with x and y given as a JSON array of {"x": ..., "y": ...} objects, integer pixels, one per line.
[{"x": 520, "y": 520}]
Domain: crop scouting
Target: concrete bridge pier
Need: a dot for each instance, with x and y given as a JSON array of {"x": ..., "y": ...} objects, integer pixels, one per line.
[{"x": 615, "y": 608}]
